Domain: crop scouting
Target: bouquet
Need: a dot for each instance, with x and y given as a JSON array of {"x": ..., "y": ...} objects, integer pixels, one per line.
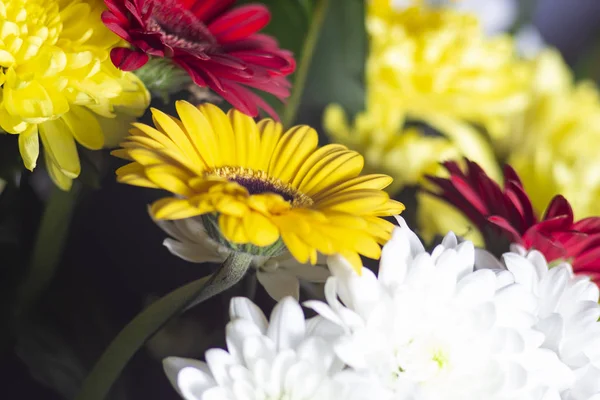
[{"x": 298, "y": 200}]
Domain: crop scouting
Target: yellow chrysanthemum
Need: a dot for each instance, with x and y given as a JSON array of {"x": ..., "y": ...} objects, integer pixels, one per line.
[
  {"x": 438, "y": 61},
  {"x": 262, "y": 183},
  {"x": 57, "y": 79},
  {"x": 401, "y": 151},
  {"x": 555, "y": 151}
]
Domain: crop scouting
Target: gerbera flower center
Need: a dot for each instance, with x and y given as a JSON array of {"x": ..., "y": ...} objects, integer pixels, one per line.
[
  {"x": 179, "y": 27},
  {"x": 257, "y": 182}
]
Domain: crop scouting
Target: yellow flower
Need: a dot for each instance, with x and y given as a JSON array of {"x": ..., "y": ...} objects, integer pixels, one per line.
[
  {"x": 438, "y": 61},
  {"x": 555, "y": 151},
  {"x": 261, "y": 184},
  {"x": 57, "y": 79},
  {"x": 402, "y": 151}
]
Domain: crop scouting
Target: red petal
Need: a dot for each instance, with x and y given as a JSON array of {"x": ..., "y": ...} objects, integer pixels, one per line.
[
  {"x": 556, "y": 224},
  {"x": 588, "y": 225},
  {"x": 510, "y": 175},
  {"x": 127, "y": 59},
  {"x": 206, "y": 10},
  {"x": 559, "y": 206},
  {"x": 549, "y": 248},
  {"x": 240, "y": 23},
  {"x": 116, "y": 25},
  {"x": 507, "y": 228}
]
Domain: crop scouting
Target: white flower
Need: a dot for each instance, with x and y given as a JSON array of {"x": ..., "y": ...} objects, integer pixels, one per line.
[
  {"x": 567, "y": 313},
  {"x": 430, "y": 327},
  {"x": 278, "y": 275},
  {"x": 277, "y": 360}
]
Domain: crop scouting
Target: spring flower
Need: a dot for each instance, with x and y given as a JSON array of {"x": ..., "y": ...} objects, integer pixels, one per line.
[
  {"x": 567, "y": 313},
  {"x": 57, "y": 81},
  {"x": 430, "y": 326},
  {"x": 438, "y": 62},
  {"x": 258, "y": 187},
  {"x": 509, "y": 212},
  {"x": 277, "y": 359},
  {"x": 217, "y": 44},
  {"x": 381, "y": 134},
  {"x": 279, "y": 275},
  {"x": 555, "y": 150}
]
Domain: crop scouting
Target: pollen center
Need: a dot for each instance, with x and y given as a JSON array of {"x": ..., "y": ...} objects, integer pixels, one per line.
[
  {"x": 180, "y": 28},
  {"x": 258, "y": 182}
]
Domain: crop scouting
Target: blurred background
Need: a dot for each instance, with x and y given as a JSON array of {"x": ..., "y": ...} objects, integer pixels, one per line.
[{"x": 114, "y": 263}]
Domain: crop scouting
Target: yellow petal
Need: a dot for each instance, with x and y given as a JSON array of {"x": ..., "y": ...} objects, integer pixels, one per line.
[
  {"x": 173, "y": 208},
  {"x": 270, "y": 132},
  {"x": 354, "y": 259},
  {"x": 293, "y": 149},
  {"x": 375, "y": 181},
  {"x": 358, "y": 202},
  {"x": 133, "y": 174},
  {"x": 85, "y": 127},
  {"x": 29, "y": 147},
  {"x": 200, "y": 133},
  {"x": 58, "y": 177},
  {"x": 221, "y": 126},
  {"x": 60, "y": 146},
  {"x": 297, "y": 248},
  {"x": 170, "y": 178},
  {"x": 325, "y": 152},
  {"x": 330, "y": 171},
  {"x": 176, "y": 134},
  {"x": 260, "y": 230},
  {"x": 247, "y": 138},
  {"x": 232, "y": 229}
]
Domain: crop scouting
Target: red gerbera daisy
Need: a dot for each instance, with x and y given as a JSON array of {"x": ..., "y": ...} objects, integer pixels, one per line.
[
  {"x": 217, "y": 44},
  {"x": 510, "y": 213}
]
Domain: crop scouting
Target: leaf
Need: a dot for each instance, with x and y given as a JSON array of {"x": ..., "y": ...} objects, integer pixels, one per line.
[
  {"x": 289, "y": 25},
  {"x": 106, "y": 371},
  {"x": 289, "y": 22},
  {"x": 337, "y": 72}
]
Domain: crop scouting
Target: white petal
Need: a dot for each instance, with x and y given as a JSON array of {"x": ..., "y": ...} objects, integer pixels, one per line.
[
  {"x": 279, "y": 284},
  {"x": 287, "y": 327},
  {"x": 237, "y": 331},
  {"x": 395, "y": 256},
  {"x": 310, "y": 273},
  {"x": 193, "y": 252},
  {"x": 218, "y": 361},
  {"x": 199, "y": 380},
  {"x": 486, "y": 260},
  {"x": 244, "y": 308}
]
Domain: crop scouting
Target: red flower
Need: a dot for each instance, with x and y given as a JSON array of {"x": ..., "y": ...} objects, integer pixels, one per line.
[
  {"x": 218, "y": 45},
  {"x": 510, "y": 213}
]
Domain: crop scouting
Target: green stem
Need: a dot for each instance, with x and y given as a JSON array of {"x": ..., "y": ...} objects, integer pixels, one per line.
[
  {"x": 51, "y": 237},
  {"x": 291, "y": 109},
  {"x": 98, "y": 383}
]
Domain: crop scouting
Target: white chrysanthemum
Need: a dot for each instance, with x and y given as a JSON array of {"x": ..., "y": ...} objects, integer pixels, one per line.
[
  {"x": 277, "y": 360},
  {"x": 430, "y": 327},
  {"x": 279, "y": 275},
  {"x": 568, "y": 313}
]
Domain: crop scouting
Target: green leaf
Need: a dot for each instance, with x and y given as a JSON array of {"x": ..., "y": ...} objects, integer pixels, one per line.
[
  {"x": 289, "y": 22},
  {"x": 106, "y": 371},
  {"x": 337, "y": 72}
]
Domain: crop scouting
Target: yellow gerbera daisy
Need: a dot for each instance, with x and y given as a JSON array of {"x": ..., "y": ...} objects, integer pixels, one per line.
[
  {"x": 260, "y": 185},
  {"x": 58, "y": 82}
]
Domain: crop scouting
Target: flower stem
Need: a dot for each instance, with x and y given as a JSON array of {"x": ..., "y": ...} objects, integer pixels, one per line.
[
  {"x": 98, "y": 383},
  {"x": 291, "y": 109},
  {"x": 49, "y": 244}
]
